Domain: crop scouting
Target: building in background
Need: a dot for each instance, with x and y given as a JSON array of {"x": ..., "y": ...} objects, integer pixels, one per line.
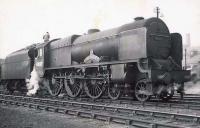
[
  {"x": 192, "y": 53},
  {"x": 191, "y": 58}
]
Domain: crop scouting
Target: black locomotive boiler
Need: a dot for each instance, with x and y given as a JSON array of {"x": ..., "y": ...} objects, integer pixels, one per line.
[{"x": 141, "y": 59}]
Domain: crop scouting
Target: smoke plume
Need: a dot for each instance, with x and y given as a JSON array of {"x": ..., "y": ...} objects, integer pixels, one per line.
[
  {"x": 191, "y": 88},
  {"x": 33, "y": 83}
]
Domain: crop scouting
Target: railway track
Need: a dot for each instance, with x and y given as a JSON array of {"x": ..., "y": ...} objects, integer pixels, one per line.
[
  {"x": 189, "y": 98},
  {"x": 190, "y": 101},
  {"x": 138, "y": 117},
  {"x": 174, "y": 103}
]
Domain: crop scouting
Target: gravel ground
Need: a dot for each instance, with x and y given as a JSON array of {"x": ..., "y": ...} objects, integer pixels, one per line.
[{"x": 20, "y": 117}]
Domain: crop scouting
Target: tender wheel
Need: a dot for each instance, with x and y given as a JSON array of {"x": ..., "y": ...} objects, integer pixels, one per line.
[
  {"x": 55, "y": 86},
  {"x": 113, "y": 91},
  {"x": 142, "y": 90},
  {"x": 73, "y": 87},
  {"x": 94, "y": 88}
]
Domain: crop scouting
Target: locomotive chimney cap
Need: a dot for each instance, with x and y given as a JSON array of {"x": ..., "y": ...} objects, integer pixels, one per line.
[
  {"x": 90, "y": 31},
  {"x": 138, "y": 18}
]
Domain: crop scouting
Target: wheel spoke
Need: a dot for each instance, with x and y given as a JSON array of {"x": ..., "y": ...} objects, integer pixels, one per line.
[
  {"x": 55, "y": 88},
  {"x": 98, "y": 88},
  {"x": 74, "y": 88},
  {"x": 142, "y": 90},
  {"x": 113, "y": 92},
  {"x": 94, "y": 89}
]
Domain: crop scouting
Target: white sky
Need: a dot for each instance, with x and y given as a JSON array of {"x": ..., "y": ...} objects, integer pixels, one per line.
[{"x": 23, "y": 22}]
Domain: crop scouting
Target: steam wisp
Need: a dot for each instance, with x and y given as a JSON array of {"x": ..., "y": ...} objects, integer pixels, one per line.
[
  {"x": 33, "y": 83},
  {"x": 191, "y": 88}
]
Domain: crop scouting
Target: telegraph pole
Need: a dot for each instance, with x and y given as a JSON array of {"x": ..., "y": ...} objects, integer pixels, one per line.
[
  {"x": 185, "y": 59},
  {"x": 157, "y": 12}
]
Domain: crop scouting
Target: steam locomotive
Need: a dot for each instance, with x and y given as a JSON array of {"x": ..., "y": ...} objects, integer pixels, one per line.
[{"x": 141, "y": 59}]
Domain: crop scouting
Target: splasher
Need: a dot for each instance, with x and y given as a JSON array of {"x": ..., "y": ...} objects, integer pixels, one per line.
[{"x": 33, "y": 83}]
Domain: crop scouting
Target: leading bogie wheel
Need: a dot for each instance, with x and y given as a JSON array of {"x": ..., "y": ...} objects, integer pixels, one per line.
[{"x": 142, "y": 90}]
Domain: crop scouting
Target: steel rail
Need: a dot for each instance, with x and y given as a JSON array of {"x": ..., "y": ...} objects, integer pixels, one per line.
[
  {"x": 99, "y": 116},
  {"x": 158, "y": 114},
  {"x": 178, "y": 104}
]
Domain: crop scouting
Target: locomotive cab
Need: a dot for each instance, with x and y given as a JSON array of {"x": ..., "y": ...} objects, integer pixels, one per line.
[
  {"x": 32, "y": 53},
  {"x": 39, "y": 60}
]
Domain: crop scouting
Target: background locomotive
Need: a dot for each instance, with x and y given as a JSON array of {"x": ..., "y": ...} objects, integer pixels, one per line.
[{"x": 141, "y": 58}]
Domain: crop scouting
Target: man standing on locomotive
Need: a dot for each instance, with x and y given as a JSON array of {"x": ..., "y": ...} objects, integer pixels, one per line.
[{"x": 46, "y": 37}]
